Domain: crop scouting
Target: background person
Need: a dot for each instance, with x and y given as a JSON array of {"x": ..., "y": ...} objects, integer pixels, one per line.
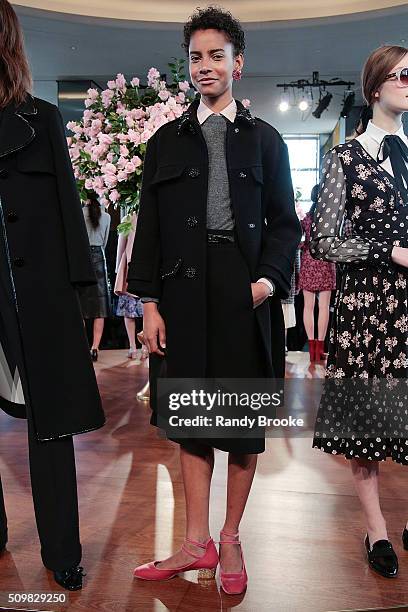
[{"x": 95, "y": 299}]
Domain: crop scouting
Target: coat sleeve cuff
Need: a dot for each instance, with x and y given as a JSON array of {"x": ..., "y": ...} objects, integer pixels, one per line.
[{"x": 268, "y": 283}]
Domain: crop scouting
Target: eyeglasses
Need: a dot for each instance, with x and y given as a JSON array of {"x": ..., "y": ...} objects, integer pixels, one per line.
[{"x": 400, "y": 75}]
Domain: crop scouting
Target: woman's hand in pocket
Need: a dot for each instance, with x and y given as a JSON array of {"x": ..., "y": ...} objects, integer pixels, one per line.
[
  {"x": 260, "y": 292},
  {"x": 154, "y": 330}
]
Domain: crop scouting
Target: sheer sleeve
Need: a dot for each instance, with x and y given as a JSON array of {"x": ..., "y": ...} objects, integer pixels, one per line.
[{"x": 329, "y": 241}]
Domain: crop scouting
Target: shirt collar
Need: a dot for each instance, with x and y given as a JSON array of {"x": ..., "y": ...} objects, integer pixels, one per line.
[
  {"x": 378, "y": 133},
  {"x": 203, "y": 112}
]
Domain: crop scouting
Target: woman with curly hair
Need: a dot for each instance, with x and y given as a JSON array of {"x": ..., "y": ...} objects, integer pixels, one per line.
[{"x": 213, "y": 255}]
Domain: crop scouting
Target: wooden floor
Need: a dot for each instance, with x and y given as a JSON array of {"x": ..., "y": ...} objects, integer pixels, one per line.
[{"x": 302, "y": 532}]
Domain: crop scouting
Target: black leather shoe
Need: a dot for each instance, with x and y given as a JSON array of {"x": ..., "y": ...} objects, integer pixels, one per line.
[
  {"x": 94, "y": 355},
  {"x": 382, "y": 558},
  {"x": 71, "y": 578},
  {"x": 405, "y": 538}
]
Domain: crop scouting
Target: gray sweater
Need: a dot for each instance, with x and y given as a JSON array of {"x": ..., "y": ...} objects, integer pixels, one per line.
[
  {"x": 100, "y": 235},
  {"x": 219, "y": 211}
]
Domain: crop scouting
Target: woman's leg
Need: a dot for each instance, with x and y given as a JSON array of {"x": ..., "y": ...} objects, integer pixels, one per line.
[
  {"x": 197, "y": 472},
  {"x": 97, "y": 332},
  {"x": 241, "y": 470},
  {"x": 130, "y": 325},
  {"x": 365, "y": 474},
  {"x": 138, "y": 328},
  {"x": 308, "y": 313},
  {"x": 323, "y": 320}
]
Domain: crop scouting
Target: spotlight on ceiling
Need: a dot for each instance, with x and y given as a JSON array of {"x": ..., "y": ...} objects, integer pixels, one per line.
[
  {"x": 303, "y": 105},
  {"x": 284, "y": 106},
  {"x": 348, "y": 103},
  {"x": 322, "y": 105}
]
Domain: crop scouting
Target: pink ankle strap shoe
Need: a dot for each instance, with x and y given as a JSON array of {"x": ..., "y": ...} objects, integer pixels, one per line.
[
  {"x": 206, "y": 564},
  {"x": 233, "y": 583}
]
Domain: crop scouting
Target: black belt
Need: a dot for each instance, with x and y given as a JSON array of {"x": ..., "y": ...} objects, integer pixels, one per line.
[{"x": 218, "y": 236}]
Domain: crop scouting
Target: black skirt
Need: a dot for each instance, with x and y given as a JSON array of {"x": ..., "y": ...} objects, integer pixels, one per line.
[
  {"x": 94, "y": 299},
  {"x": 234, "y": 347}
]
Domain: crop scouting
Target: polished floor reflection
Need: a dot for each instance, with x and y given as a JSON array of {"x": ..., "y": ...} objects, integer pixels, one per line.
[{"x": 302, "y": 532}]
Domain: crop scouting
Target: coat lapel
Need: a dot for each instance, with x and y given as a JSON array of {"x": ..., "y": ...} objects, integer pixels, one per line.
[{"x": 15, "y": 131}]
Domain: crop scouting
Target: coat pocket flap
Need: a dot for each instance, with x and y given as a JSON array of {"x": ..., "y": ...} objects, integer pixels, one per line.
[
  {"x": 167, "y": 173},
  {"x": 257, "y": 173},
  {"x": 26, "y": 162},
  {"x": 170, "y": 267}
]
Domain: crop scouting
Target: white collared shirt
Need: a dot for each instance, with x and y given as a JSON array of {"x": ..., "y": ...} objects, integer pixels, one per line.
[
  {"x": 203, "y": 112},
  {"x": 372, "y": 138}
]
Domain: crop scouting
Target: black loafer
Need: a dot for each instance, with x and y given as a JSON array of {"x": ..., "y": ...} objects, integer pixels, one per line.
[
  {"x": 405, "y": 538},
  {"x": 382, "y": 558},
  {"x": 71, "y": 578}
]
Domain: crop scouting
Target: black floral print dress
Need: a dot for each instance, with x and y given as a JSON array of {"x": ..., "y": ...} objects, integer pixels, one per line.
[{"x": 363, "y": 411}]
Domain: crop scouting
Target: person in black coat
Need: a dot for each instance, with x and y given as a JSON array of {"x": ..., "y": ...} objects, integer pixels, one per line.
[
  {"x": 213, "y": 255},
  {"x": 44, "y": 256}
]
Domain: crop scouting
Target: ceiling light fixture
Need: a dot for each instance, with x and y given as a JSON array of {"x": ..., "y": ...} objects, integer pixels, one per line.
[
  {"x": 303, "y": 105},
  {"x": 322, "y": 105},
  {"x": 348, "y": 103},
  {"x": 325, "y": 98}
]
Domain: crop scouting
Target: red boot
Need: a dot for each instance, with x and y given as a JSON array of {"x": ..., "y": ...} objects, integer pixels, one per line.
[
  {"x": 312, "y": 350},
  {"x": 320, "y": 354}
]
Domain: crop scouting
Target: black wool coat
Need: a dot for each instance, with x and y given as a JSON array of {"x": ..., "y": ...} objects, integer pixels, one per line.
[
  {"x": 44, "y": 232},
  {"x": 169, "y": 253}
]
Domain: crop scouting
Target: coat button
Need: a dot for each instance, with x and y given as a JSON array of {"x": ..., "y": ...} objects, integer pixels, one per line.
[
  {"x": 194, "y": 172},
  {"x": 192, "y": 221},
  {"x": 190, "y": 272},
  {"x": 242, "y": 175},
  {"x": 251, "y": 225},
  {"x": 12, "y": 216},
  {"x": 236, "y": 130},
  {"x": 19, "y": 262},
  {"x": 3, "y": 173}
]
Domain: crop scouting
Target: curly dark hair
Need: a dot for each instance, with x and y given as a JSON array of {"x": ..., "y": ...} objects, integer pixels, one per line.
[{"x": 215, "y": 18}]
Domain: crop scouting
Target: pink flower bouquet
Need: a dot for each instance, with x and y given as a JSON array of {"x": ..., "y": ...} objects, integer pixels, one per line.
[{"x": 108, "y": 144}]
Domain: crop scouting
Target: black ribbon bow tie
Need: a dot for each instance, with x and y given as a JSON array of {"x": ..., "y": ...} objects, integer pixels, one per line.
[{"x": 394, "y": 147}]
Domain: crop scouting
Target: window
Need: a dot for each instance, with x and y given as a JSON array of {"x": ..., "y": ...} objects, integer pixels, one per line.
[{"x": 304, "y": 165}]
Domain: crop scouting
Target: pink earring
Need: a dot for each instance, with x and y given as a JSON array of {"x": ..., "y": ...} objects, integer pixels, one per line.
[{"x": 236, "y": 74}]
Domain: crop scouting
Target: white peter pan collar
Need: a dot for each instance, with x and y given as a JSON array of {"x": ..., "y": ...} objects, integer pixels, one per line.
[{"x": 203, "y": 112}]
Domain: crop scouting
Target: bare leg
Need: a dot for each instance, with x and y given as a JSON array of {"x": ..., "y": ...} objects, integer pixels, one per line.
[
  {"x": 197, "y": 472},
  {"x": 323, "y": 320},
  {"x": 97, "y": 332},
  {"x": 241, "y": 470},
  {"x": 130, "y": 325},
  {"x": 308, "y": 313},
  {"x": 365, "y": 474}
]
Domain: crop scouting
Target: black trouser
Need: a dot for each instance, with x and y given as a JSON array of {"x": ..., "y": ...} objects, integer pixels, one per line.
[
  {"x": 53, "y": 484},
  {"x": 52, "y": 463}
]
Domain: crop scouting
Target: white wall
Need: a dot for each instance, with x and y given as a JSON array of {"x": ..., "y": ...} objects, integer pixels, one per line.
[{"x": 47, "y": 90}]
